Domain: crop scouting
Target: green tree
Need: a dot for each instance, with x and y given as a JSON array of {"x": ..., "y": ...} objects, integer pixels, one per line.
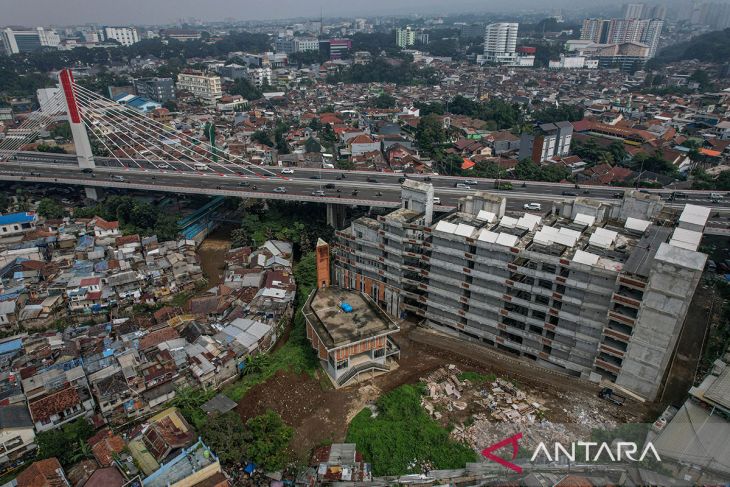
[
  {"x": 64, "y": 442},
  {"x": 55, "y": 149},
  {"x": 311, "y": 145},
  {"x": 430, "y": 134},
  {"x": 262, "y": 137},
  {"x": 267, "y": 438},
  {"x": 170, "y": 105},
  {"x": 61, "y": 130},
  {"x": 384, "y": 100},
  {"x": 226, "y": 435},
  {"x": 246, "y": 89},
  {"x": 48, "y": 208}
]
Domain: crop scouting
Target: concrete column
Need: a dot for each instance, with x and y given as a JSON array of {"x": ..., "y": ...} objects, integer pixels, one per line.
[
  {"x": 84, "y": 155},
  {"x": 336, "y": 215},
  {"x": 94, "y": 193}
]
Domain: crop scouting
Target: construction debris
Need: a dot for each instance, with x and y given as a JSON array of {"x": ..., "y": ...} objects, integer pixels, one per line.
[{"x": 484, "y": 411}]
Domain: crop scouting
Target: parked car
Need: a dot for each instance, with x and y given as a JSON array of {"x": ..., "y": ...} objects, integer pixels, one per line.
[
  {"x": 711, "y": 266},
  {"x": 618, "y": 195},
  {"x": 287, "y": 170},
  {"x": 533, "y": 206},
  {"x": 436, "y": 200},
  {"x": 280, "y": 189}
]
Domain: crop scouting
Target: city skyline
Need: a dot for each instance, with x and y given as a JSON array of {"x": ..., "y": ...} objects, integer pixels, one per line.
[{"x": 45, "y": 12}]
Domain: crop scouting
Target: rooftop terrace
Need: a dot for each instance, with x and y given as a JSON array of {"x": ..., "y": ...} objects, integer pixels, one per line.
[{"x": 337, "y": 328}]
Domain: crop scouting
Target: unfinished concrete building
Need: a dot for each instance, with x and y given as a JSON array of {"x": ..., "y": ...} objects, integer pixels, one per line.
[{"x": 596, "y": 289}]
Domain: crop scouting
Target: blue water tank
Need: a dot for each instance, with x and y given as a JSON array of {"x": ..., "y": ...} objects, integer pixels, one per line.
[{"x": 346, "y": 308}]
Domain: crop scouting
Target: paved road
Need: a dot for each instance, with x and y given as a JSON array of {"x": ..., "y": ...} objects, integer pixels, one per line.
[
  {"x": 359, "y": 179},
  {"x": 357, "y": 187}
]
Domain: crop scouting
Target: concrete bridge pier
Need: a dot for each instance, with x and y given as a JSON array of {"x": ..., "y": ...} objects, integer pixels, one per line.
[
  {"x": 336, "y": 215},
  {"x": 94, "y": 193}
]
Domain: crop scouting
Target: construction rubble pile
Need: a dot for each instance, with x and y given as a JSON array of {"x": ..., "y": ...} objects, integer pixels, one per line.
[{"x": 483, "y": 413}]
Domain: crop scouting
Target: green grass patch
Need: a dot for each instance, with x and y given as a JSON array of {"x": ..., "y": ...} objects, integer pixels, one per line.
[
  {"x": 402, "y": 438},
  {"x": 476, "y": 377}
]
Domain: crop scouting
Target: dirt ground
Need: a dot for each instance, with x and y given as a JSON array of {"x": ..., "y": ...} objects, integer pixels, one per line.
[
  {"x": 212, "y": 253},
  {"x": 319, "y": 414}
]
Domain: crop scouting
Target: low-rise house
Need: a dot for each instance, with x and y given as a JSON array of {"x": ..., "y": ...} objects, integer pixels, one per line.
[
  {"x": 14, "y": 224},
  {"x": 57, "y": 396},
  {"x": 103, "y": 228},
  {"x": 254, "y": 336},
  {"x": 43, "y": 473},
  {"x": 16, "y": 433},
  {"x": 193, "y": 466}
]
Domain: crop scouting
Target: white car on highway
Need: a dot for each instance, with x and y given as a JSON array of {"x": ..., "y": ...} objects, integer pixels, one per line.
[
  {"x": 280, "y": 189},
  {"x": 163, "y": 166},
  {"x": 533, "y": 206},
  {"x": 318, "y": 193},
  {"x": 287, "y": 170}
]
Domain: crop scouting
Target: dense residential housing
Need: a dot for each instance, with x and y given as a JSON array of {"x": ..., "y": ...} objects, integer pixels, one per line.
[{"x": 598, "y": 290}]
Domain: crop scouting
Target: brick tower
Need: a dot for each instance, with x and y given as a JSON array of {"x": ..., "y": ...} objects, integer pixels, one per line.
[{"x": 323, "y": 263}]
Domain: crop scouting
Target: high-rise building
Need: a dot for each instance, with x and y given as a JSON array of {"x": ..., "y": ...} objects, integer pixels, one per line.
[
  {"x": 125, "y": 36},
  {"x": 202, "y": 85},
  {"x": 617, "y": 31},
  {"x": 500, "y": 42},
  {"x": 594, "y": 289},
  {"x": 15, "y": 40},
  {"x": 633, "y": 10},
  {"x": 157, "y": 89},
  {"x": 546, "y": 141},
  {"x": 405, "y": 37},
  {"x": 650, "y": 33}
]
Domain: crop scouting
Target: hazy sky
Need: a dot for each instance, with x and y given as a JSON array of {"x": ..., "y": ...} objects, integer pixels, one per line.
[{"x": 65, "y": 12}]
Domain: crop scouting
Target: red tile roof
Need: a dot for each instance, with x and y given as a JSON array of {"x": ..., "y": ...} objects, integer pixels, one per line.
[
  {"x": 44, "y": 473},
  {"x": 105, "y": 225},
  {"x": 467, "y": 164},
  {"x": 90, "y": 281},
  {"x": 158, "y": 336},
  {"x": 104, "y": 445},
  {"x": 45, "y": 407}
]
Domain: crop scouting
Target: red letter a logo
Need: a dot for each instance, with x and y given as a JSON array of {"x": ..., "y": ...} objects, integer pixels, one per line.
[{"x": 487, "y": 452}]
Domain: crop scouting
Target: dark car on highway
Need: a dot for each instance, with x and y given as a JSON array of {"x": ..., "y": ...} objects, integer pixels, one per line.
[{"x": 371, "y": 180}]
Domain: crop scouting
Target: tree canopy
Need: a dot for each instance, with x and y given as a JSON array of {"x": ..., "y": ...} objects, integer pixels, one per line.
[
  {"x": 398, "y": 71},
  {"x": 49, "y": 208}
]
